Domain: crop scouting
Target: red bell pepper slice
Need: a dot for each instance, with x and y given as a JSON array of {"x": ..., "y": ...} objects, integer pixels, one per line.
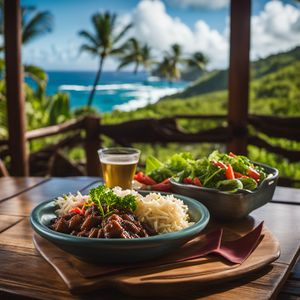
[
  {"x": 77, "y": 210},
  {"x": 219, "y": 164},
  {"x": 138, "y": 176},
  {"x": 239, "y": 175},
  {"x": 253, "y": 174},
  {"x": 232, "y": 154},
  {"x": 164, "y": 186},
  {"x": 148, "y": 180},
  {"x": 166, "y": 181},
  {"x": 229, "y": 172},
  {"x": 142, "y": 178}
]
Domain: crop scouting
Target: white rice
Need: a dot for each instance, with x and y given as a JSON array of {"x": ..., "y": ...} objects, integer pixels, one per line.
[
  {"x": 122, "y": 193},
  {"x": 163, "y": 213},
  {"x": 69, "y": 201}
]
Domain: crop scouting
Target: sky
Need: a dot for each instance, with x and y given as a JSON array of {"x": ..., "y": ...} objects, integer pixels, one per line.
[{"x": 198, "y": 25}]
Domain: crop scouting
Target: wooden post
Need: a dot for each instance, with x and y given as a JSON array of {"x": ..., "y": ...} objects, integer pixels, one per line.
[
  {"x": 240, "y": 17},
  {"x": 92, "y": 144},
  {"x": 14, "y": 92}
]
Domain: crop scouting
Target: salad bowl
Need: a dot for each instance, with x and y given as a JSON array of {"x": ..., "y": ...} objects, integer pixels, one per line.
[
  {"x": 231, "y": 206},
  {"x": 118, "y": 250}
]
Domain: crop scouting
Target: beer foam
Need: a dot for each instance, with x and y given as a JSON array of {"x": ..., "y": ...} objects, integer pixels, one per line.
[{"x": 119, "y": 160}]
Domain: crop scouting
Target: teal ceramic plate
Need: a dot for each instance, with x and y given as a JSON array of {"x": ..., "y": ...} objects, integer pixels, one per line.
[{"x": 120, "y": 250}]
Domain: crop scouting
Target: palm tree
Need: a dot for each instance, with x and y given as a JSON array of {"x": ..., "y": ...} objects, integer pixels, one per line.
[
  {"x": 173, "y": 59},
  {"x": 197, "y": 59},
  {"x": 176, "y": 59},
  {"x": 165, "y": 69},
  {"x": 136, "y": 54},
  {"x": 169, "y": 67},
  {"x": 35, "y": 23},
  {"x": 102, "y": 42}
]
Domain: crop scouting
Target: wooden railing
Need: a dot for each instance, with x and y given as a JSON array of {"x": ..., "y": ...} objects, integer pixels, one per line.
[{"x": 87, "y": 132}]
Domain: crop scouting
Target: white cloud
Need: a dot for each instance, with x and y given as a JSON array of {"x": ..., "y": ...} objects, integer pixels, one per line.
[
  {"x": 275, "y": 29},
  {"x": 154, "y": 26},
  {"x": 207, "y": 4}
]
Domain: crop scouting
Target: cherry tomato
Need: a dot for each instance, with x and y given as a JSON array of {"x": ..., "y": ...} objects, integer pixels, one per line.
[
  {"x": 197, "y": 181},
  {"x": 187, "y": 180}
]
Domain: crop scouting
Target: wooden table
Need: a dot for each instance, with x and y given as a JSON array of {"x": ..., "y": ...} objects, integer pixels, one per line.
[{"x": 23, "y": 273}]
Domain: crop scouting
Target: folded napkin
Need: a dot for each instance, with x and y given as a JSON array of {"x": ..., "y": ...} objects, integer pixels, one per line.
[{"x": 233, "y": 252}]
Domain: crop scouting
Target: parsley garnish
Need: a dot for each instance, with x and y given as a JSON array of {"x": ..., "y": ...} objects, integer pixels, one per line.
[{"x": 106, "y": 200}]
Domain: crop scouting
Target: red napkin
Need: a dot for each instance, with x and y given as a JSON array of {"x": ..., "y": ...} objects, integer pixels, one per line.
[{"x": 235, "y": 251}]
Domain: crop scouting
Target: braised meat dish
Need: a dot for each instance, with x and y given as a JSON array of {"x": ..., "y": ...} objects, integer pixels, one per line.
[{"x": 118, "y": 224}]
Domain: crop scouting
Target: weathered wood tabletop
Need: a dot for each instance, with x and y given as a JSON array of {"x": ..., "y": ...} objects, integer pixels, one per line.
[{"x": 23, "y": 273}]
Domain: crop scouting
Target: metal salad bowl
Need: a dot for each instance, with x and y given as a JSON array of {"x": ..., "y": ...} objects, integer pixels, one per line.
[
  {"x": 117, "y": 250},
  {"x": 231, "y": 206}
]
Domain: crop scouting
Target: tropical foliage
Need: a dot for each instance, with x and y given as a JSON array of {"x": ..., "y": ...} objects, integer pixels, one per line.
[
  {"x": 41, "y": 109},
  {"x": 102, "y": 42},
  {"x": 35, "y": 23},
  {"x": 174, "y": 60},
  {"x": 137, "y": 54},
  {"x": 275, "y": 86},
  {"x": 274, "y": 90},
  {"x": 105, "y": 39}
]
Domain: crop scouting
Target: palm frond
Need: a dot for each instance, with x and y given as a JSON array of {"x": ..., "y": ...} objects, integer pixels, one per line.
[
  {"x": 88, "y": 48},
  {"x": 37, "y": 74},
  {"x": 117, "y": 51},
  {"x": 124, "y": 63},
  {"x": 89, "y": 37},
  {"x": 176, "y": 51},
  {"x": 102, "y": 25},
  {"x": 121, "y": 34},
  {"x": 37, "y": 25},
  {"x": 198, "y": 59}
]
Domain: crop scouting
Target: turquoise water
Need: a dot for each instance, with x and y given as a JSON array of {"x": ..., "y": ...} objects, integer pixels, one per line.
[{"x": 116, "y": 90}]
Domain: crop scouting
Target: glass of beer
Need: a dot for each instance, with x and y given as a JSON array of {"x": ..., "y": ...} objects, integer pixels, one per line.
[{"x": 118, "y": 166}]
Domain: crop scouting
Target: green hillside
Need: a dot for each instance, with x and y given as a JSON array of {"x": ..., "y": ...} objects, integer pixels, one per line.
[
  {"x": 217, "y": 80},
  {"x": 275, "y": 93},
  {"x": 274, "y": 90}
]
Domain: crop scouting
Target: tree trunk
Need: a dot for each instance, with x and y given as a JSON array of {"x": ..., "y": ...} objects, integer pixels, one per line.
[
  {"x": 91, "y": 96},
  {"x": 136, "y": 68}
]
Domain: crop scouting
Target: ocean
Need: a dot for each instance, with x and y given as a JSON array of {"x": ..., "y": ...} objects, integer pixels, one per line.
[{"x": 116, "y": 90}]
